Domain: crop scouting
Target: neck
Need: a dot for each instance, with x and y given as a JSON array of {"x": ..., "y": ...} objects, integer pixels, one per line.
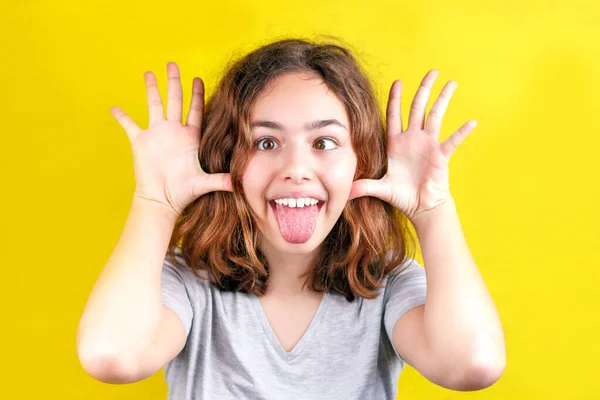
[{"x": 285, "y": 273}]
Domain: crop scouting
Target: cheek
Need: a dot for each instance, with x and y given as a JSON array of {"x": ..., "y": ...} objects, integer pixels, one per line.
[
  {"x": 251, "y": 182},
  {"x": 340, "y": 174},
  {"x": 344, "y": 167},
  {"x": 252, "y": 177}
]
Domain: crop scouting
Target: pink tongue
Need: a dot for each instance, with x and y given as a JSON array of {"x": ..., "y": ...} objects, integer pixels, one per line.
[{"x": 296, "y": 224}]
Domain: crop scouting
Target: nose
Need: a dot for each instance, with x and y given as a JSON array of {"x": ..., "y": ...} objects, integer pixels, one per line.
[{"x": 297, "y": 164}]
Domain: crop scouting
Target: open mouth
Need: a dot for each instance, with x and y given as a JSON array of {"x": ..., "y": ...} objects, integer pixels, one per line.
[
  {"x": 274, "y": 205},
  {"x": 296, "y": 224}
]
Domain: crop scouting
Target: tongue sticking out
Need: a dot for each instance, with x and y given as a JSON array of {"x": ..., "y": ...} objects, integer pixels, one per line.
[{"x": 296, "y": 224}]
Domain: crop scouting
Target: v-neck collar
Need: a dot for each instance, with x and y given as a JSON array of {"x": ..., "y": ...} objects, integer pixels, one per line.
[{"x": 306, "y": 337}]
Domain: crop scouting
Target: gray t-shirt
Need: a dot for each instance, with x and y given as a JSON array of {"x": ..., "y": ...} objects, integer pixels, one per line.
[{"x": 231, "y": 351}]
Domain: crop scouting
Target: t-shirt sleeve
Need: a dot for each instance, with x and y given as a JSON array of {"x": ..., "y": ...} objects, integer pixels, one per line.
[
  {"x": 404, "y": 290},
  {"x": 175, "y": 294}
]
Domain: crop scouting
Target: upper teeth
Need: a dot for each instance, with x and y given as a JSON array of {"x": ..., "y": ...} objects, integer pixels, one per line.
[{"x": 301, "y": 202}]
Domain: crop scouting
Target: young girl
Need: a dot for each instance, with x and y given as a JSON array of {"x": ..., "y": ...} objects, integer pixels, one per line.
[{"x": 267, "y": 253}]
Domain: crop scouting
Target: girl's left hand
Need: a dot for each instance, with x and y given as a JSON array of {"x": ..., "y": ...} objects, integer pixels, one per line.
[{"x": 416, "y": 181}]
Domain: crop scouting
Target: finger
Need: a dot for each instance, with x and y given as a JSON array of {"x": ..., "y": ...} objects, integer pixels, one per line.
[
  {"x": 155, "y": 107},
  {"x": 370, "y": 187},
  {"x": 194, "y": 117},
  {"x": 175, "y": 93},
  {"x": 131, "y": 128},
  {"x": 437, "y": 112},
  {"x": 212, "y": 183},
  {"x": 394, "y": 114},
  {"x": 417, "y": 110},
  {"x": 449, "y": 146}
]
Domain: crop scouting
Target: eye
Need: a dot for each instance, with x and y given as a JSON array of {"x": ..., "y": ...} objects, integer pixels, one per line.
[
  {"x": 265, "y": 140},
  {"x": 268, "y": 143},
  {"x": 320, "y": 143}
]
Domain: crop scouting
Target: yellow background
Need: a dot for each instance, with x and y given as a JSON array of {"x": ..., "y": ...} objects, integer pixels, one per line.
[{"x": 525, "y": 181}]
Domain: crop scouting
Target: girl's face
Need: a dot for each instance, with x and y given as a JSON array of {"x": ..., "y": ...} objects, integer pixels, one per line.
[{"x": 301, "y": 134}]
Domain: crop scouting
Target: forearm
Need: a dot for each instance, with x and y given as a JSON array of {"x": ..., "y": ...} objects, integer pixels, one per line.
[
  {"x": 461, "y": 321},
  {"x": 125, "y": 304}
]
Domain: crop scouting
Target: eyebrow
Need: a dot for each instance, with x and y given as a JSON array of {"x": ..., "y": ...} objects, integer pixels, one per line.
[{"x": 311, "y": 126}]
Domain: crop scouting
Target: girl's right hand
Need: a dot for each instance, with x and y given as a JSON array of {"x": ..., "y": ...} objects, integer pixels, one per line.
[{"x": 165, "y": 156}]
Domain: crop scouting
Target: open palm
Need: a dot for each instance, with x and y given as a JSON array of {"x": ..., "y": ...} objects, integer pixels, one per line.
[{"x": 416, "y": 181}]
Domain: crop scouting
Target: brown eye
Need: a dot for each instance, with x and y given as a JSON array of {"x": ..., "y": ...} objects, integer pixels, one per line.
[
  {"x": 320, "y": 144},
  {"x": 266, "y": 147}
]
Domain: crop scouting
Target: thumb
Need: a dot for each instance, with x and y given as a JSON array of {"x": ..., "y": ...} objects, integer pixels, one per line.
[
  {"x": 369, "y": 187},
  {"x": 212, "y": 183},
  {"x": 130, "y": 127}
]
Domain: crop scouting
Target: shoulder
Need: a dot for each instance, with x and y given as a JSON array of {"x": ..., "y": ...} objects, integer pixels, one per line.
[
  {"x": 409, "y": 273},
  {"x": 176, "y": 273},
  {"x": 405, "y": 288},
  {"x": 177, "y": 265}
]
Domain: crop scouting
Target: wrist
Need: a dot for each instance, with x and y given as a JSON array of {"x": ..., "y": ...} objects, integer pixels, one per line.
[
  {"x": 429, "y": 217},
  {"x": 163, "y": 211}
]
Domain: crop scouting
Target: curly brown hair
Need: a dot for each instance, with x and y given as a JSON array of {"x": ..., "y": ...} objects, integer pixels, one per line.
[{"x": 217, "y": 232}]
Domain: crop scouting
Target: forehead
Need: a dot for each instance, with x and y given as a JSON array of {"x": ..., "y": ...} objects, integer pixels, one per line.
[{"x": 298, "y": 97}]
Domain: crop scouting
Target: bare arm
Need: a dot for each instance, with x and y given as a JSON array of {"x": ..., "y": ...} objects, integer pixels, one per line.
[
  {"x": 125, "y": 333},
  {"x": 456, "y": 339},
  {"x": 124, "y": 310}
]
